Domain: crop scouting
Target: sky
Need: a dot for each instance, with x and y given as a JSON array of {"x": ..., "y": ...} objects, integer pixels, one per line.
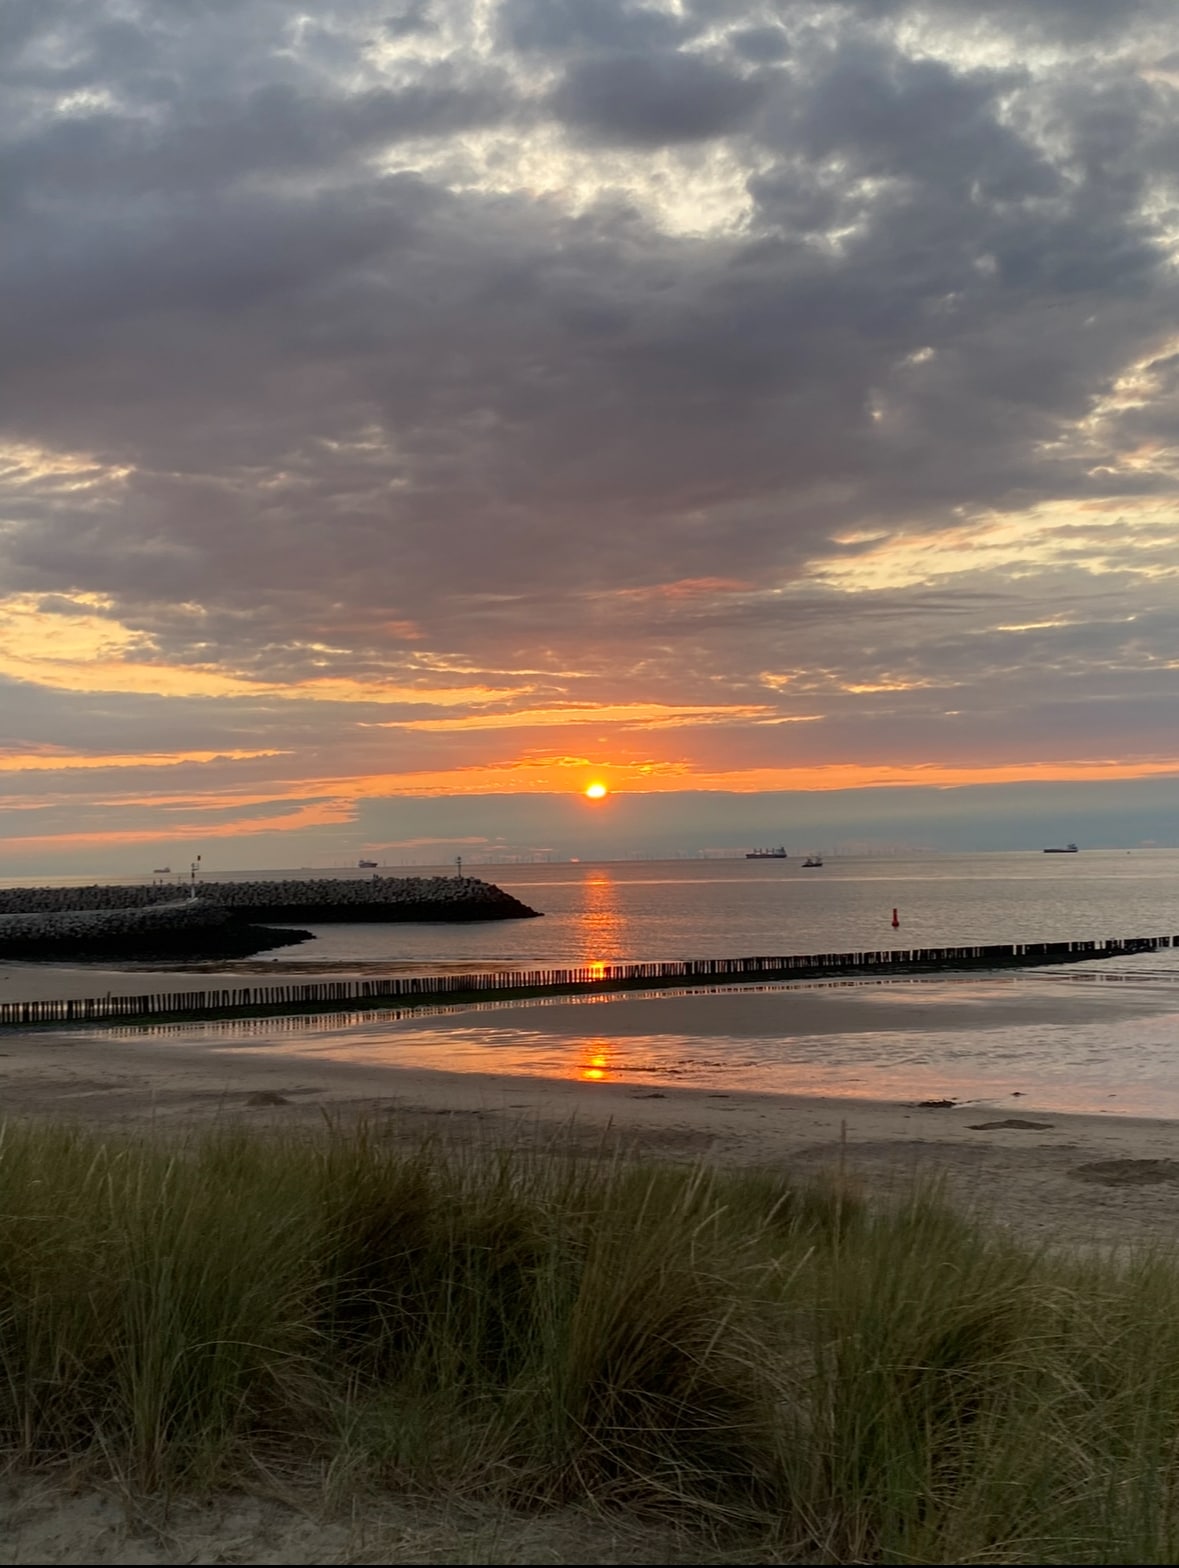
[{"x": 412, "y": 413}]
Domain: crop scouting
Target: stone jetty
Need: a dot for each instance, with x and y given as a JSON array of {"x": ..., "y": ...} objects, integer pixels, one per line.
[
  {"x": 310, "y": 900},
  {"x": 171, "y": 931}
]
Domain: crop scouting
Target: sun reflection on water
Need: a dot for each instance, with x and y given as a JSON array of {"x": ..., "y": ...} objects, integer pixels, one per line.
[
  {"x": 603, "y": 927},
  {"x": 595, "y": 1060}
]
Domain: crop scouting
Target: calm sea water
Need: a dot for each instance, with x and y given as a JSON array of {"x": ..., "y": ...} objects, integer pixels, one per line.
[
  {"x": 648, "y": 910},
  {"x": 1091, "y": 1037}
]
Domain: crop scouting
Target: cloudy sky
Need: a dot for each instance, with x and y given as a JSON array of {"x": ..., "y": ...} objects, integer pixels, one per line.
[{"x": 413, "y": 412}]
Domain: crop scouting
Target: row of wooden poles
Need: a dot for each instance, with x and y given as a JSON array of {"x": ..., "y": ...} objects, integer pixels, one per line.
[{"x": 597, "y": 976}]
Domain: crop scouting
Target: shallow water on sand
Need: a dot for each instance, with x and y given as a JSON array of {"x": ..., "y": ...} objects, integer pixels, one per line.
[{"x": 1086, "y": 1039}]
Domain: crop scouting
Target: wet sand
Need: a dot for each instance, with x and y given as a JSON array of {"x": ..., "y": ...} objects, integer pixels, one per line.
[
  {"x": 48, "y": 982},
  {"x": 1059, "y": 1179}
]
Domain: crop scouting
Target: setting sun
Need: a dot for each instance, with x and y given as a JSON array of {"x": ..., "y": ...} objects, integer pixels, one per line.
[{"x": 595, "y": 791}]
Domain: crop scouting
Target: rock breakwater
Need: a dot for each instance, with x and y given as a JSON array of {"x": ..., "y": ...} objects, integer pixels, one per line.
[
  {"x": 315, "y": 900},
  {"x": 178, "y": 929}
]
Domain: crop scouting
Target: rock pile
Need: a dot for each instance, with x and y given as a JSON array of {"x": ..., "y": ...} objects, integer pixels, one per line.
[
  {"x": 317, "y": 900},
  {"x": 179, "y": 929}
]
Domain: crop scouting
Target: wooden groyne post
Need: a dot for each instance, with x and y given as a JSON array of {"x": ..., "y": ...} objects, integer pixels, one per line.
[{"x": 417, "y": 990}]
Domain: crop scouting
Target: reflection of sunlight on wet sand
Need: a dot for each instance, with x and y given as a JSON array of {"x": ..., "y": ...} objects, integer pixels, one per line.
[
  {"x": 1029, "y": 1041},
  {"x": 595, "y": 1059},
  {"x": 1085, "y": 1070}
]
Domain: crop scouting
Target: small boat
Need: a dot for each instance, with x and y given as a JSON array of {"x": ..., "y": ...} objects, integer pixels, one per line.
[
  {"x": 1062, "y": 849},
  {"x": 366, "y": 865},
  {"x": 812, "y": 860},
  {"x": 766, "y": 854}
]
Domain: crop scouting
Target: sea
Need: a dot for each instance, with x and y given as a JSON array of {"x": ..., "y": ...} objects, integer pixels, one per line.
[{"x": 1098, "y": 1036}]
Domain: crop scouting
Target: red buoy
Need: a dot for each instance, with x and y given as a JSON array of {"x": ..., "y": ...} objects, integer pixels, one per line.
[{"x": 895, "y": 921}]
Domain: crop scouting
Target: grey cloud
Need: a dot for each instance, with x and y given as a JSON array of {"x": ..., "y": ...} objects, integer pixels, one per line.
[
  {"x": 413, "y": 18},
  {"x": 760, "y": 44},
  {"x": 913, "y": 119},
  {"x": 562, "y": 26},
  {"x": 654, "y": 100},
  {"x": 114, "y": 723},
  {"x": 347, "y": 396},
  {"x": 23, "y": 20},
  {"x": 1124, "y": 140},
  {"x": 1071, "y": 22},
  {"x": 144, "y": 49},
  {"x": 1068, "y": 253},
  {"x": 276, "y": 130}
]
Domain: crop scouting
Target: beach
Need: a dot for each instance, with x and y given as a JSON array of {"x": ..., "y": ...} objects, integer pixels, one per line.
[
  {"x": 1056, "y": 1181},
  {"x": 1054, "y": 1178}
]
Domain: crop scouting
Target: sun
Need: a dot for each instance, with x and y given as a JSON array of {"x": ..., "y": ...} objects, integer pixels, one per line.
[{"x": 596, "y": 791}]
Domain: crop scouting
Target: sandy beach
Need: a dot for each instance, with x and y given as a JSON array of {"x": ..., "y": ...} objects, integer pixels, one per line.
[
  {"x": 1054, "y": 1180},
  {"x": 1058, "y": 1179}
]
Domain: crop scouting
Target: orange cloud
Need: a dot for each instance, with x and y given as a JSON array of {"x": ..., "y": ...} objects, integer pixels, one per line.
[
  {"x": 49, "y": 761},
  {"x": 640, "y": 715},
  {"x": 89, "y": 650},
  {"x": 684, "y": 588},
  {"x": 933, "y": 775}
]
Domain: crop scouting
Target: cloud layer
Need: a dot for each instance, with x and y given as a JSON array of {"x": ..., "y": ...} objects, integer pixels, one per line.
[{"x": 428, "y": 399}]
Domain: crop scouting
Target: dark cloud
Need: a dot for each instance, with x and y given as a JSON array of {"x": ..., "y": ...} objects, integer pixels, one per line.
[
  {"x": 276, "y": 131},
  {"x": 564, "y": 26},
  {"x": 384, "y": 348},
  {"x": 760, "y": 44},
  {"x": 915, "y": 120},
  {"x": 654, "y": 100}
]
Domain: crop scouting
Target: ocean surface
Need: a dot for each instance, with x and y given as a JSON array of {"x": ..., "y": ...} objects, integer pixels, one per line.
[
  {"x": 1099, "y": 1036},
  {"x": 633, "y": 911}
]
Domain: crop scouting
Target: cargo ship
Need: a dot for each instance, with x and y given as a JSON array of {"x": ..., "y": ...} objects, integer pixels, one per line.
[
  {"x": 1062, "y": 849},
  {"x": 766, "y": 854}
]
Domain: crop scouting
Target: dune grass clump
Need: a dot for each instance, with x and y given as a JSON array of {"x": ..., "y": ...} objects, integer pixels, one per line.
[
  {"x": 152, "y": 1306},
  {"x": 784, "y": 1367}
]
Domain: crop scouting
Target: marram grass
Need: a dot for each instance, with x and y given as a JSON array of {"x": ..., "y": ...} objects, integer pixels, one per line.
[{"x": 779, "y": 1367}]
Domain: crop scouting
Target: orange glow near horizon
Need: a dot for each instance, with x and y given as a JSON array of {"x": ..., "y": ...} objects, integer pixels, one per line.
[
  {"x": 319, "y": 802},
  {"x": 541, "y": 775},
  {"x": 533, "y": 775}
]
